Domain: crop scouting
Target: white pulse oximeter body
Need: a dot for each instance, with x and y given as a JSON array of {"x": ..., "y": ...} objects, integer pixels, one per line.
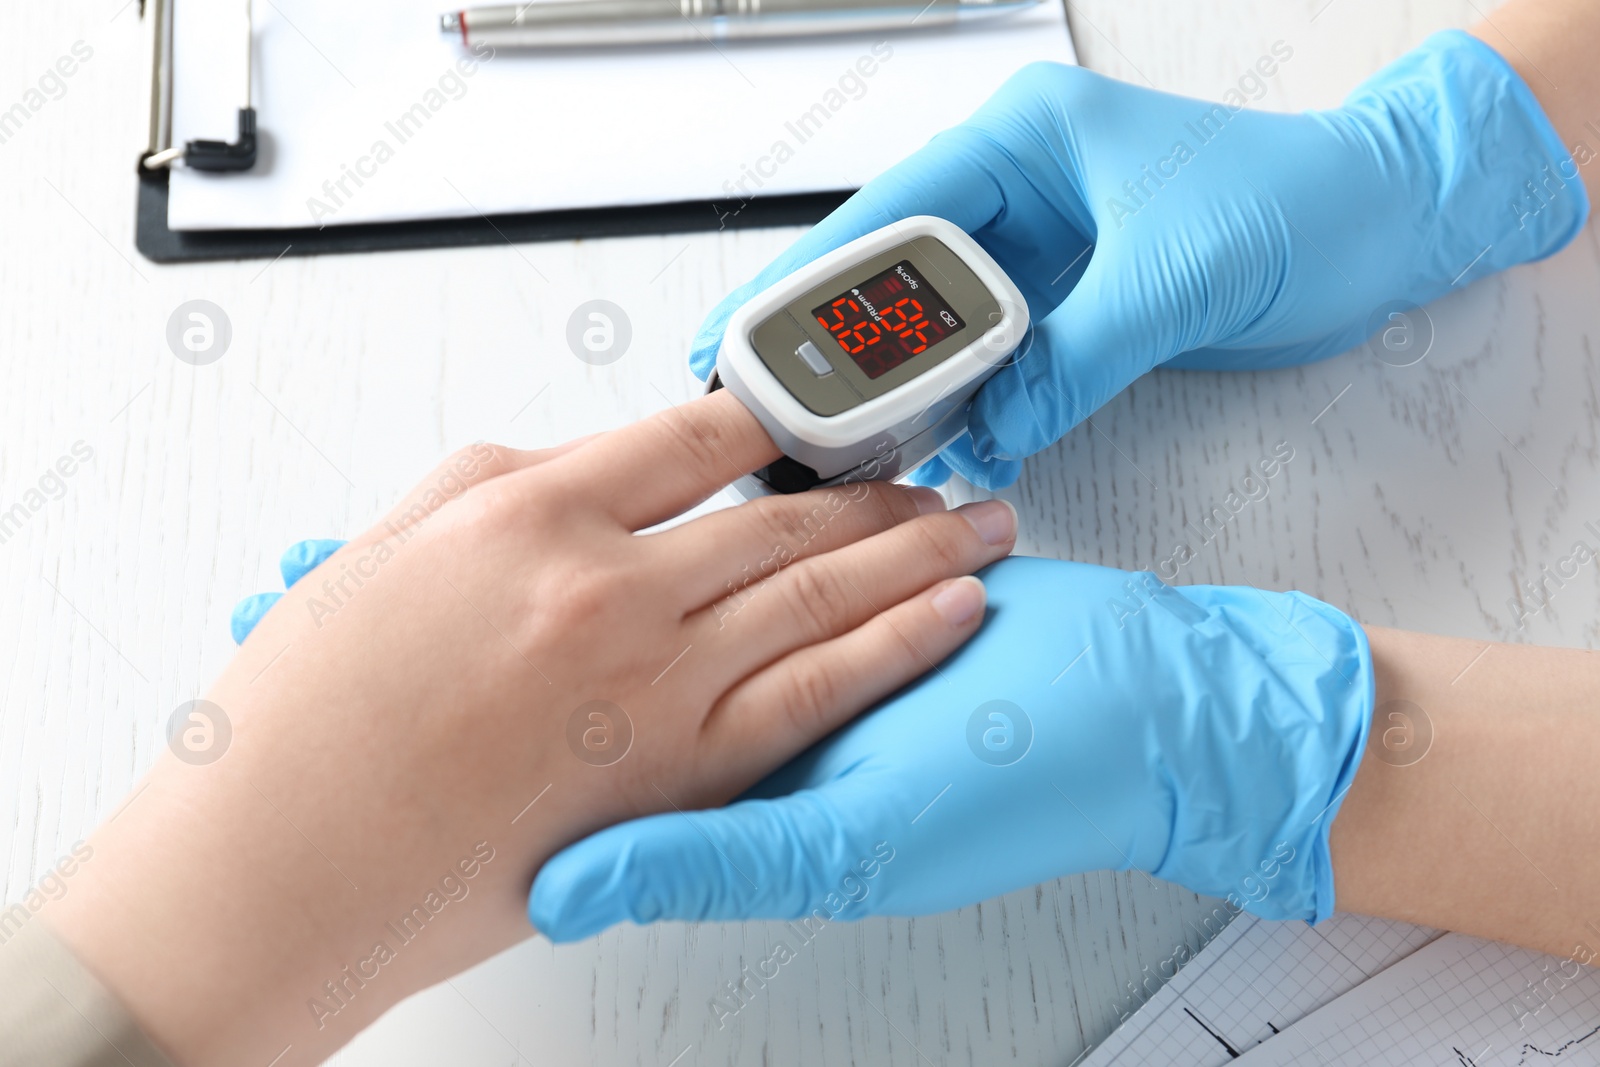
[{"x": 862, "y": 364}]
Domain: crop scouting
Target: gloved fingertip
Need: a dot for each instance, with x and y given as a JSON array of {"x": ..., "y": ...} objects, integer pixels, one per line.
[
  {"x": 984, "y": 447},
  {"x": 1008, "y": 438},
  {"x": 932, "y": 474},
  {"x": 575, "y": 894},
  {"x": 959, "y": 458},
  {"x": 303, "y": 557},
  {"x": 996, "y": 474},
  {"x": 993, "y": 473},
  {"x": 703, "y": 360},
  {"x": 248, "y": 612}
]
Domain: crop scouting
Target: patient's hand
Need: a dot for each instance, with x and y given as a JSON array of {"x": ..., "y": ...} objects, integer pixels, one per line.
[{"x": 482, "y": 679}]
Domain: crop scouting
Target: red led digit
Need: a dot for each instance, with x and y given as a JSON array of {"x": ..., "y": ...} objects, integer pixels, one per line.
[
  {"x": 882, "y": 308},
  {"x": 842, "y": 328},
  {"x": 906, "y": 327}
]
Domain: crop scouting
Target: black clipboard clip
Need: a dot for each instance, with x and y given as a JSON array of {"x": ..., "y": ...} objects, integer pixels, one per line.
[
  {"x": 218, "y": 157},
  {"x": 215, "y": 156}
]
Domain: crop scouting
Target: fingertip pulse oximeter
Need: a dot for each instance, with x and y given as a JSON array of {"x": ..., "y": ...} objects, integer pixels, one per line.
[{"x": 863, "y": 363}]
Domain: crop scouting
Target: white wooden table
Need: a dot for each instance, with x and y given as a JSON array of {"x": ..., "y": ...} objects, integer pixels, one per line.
[{"x": 1420, "y": 497}]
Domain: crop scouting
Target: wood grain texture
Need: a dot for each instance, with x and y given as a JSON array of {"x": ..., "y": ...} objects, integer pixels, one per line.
[{"x": 1421, "y": 497}]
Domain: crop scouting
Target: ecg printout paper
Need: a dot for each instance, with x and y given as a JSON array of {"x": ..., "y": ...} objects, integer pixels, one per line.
[
  {"x": 1459, "y": 1002},
  {"x": 370, "y": 88},
  {"x": 1251, "y": 981}
]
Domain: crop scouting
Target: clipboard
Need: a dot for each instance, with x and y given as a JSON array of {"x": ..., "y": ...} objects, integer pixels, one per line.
[
  {"x": 159, "y": 243},
  {"x": 636, "y": 178}
]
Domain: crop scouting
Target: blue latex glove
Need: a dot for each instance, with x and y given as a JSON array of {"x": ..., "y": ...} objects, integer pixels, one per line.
[
  {"x": 1220, "y": 239},
  {"x": 300, "y": 559},
  {"x": 1099, "y": 720}
]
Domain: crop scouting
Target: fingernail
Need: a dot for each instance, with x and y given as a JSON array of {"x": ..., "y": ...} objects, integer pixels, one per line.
[
  {"x": 927, "y": 500},
  {"x": 995, "y": 520},
  {"x": 959, "y": 601}
]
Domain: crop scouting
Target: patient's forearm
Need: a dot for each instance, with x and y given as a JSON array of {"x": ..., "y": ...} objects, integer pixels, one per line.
[{"x": 1477, "y": 804}]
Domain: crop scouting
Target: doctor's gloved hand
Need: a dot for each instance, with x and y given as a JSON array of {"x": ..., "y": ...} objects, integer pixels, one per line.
[
  {"x": 1147, "y": 229},
  {"x": 1099, "y": 720},
  {"x": 299, "y": 560}
]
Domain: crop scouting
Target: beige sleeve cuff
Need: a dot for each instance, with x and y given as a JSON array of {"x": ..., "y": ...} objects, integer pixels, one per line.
[{"x": 54, "y": 1013}]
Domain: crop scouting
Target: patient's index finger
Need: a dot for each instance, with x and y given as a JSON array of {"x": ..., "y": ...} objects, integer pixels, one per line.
[{"x": 659, "y": 467}]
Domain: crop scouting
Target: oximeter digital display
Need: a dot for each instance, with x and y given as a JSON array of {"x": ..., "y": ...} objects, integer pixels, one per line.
[
  {"x": 863, "y": 363},
  {"x": 888, "y": 319}
]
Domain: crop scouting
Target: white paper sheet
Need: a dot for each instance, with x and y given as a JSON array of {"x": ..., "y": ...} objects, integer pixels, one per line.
[
  {"x": 1252, "y": 981},
  {"x": 1458, "y": 1002},
  {"x": 527, "y": 131}
]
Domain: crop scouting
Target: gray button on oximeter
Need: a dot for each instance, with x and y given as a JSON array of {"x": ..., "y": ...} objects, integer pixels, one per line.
[{"x": 812, "y": 358}]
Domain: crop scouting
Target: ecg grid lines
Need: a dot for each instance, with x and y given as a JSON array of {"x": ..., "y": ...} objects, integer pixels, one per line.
[
  {"x": 1253, "y": 980},
  {"x": 1458, "y": 1002}
]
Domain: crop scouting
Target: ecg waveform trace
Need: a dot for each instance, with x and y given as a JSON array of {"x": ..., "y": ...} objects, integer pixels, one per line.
[
  {"x": 1515, "y": 1007},
  {"x": 1253, "y": 980}
]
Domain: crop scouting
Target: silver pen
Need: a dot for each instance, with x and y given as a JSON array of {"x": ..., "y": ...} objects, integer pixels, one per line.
[{"x": 584, "y": 23}]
